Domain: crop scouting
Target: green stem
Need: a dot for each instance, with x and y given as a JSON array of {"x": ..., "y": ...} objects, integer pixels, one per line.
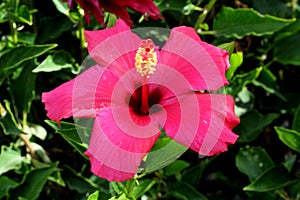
[
  {"x": 204, "y": 14},
  {"x": 14, "y": 32},
  {"x": 130, "y": 186}
]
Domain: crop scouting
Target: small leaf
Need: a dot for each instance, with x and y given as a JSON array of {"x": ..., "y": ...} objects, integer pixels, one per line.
[
  {"x": 252, "y": 124},
  {"x": 58, "y": 61},
  {"x": 296, "y": 121},
  {"x": 274, "y": 178},
  {"x": 62, "y": 7},
  {"x": 236, "y": 59},
  {"x": 241, "y": 22},
  {"x": 176, "y": 167},
  {"x": 253, "y": 162},
  {"x": 33, "y": 183},
  {"x": 229, "y": 47},
  {"x": 10, "y": 159},
  {"x": 94, "y": 196},
  {"x": 291, "y": 138}
]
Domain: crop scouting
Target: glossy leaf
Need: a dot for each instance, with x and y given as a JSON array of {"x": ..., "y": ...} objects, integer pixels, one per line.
[
  {"x": 176, "y": 167},
  {"x": 277, "y": 8},
  {"x": 291, "y": 138},
  {"x": 274, "y": 178},
  {"x": 58, "y": 61},
  {"x": 33, "y": 183},
  {"x": 185, "y": 190},
  {"x": 253, "y": 162},
  {"x": 242, "y": 22},
  {"x": 252, "y": 124}
]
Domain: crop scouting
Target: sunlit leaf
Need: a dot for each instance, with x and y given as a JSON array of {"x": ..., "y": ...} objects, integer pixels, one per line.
[
  {"x": 289, "y": 137},
  {"x": 10, "y": 159},
  {"x": 241, "y": 22},
  {"x": 236, "y": 59}
]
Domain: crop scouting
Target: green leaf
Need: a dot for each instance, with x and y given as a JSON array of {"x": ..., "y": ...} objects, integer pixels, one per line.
[
  {"x": 33, "y": 183},
  {"x": 5, "y": 184},
  {"x": 291, "y": 138},
  {"x": 193, "y": 175},
  {"x": 162, "y": 157},
  {"x": 287, "y": 50},
  {"x": 8, "y": 121},
  {"x": 69, "y": 132},
  {"x": 185, "y": 190},
  {"x": 241, "y": 22},
  {"x": 94, "y": 196},
  {"x": 229, "y": 47},
  {"x": 78, "y": 182},
  {"x": 23, "y": 88},
  {"x": 13, "y": 58},
  {"x": 276, "y": 8},
  {"x": 289, "y": 163},
  {"x": 58, "y": 61},
  {"x": 267, "y": 80},
  {"x": 176, "y": 167},
  {"x": 240, "y": 80},
  {"x": 296, "y": 121},
  {"x": 171, "y": 5},
  {"x": 236, "y": 59},
  {"x": 274, "y": 178},
  {"x": 252, "y": 124},
  {"x": 52, "y": 28},
  {"x": 62, "y": 7},
  {"x": 144, "y": 186},
  {"x": 10, "y": 159},
  {"x": 253, "y": 162}
]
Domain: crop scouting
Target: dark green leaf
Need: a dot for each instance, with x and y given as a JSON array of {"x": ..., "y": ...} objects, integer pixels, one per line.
[
  {"x": 240, "y": 80},
  {"x": 186, "y": 191},
  {"x": 296, "y": 121},
  {"x": 289, "y": 163},
  {"x": 274, "y": 178},
  {"x": 171, "y": 5},
  {"x": 69, "y": 132},
  {"x": 276, "y": 8},
  {"x": 229, "y": 47},
  {"x": 33, "y": 183},
  {"x": 289, "y": 137},
  {"x": 253, "y": 162},
  {"x": 176, "y": 167},
  {"x": 52, "y": 28},
  {"x": 77, "y": 182},
  {"x": 193, "y": 175},
  {"x": 5, "y": 185},
  {"x": 144, "y": 186},
  {"x": 8, "y": 121},
  {"x": 287, "y": 50},
  {"x": 241, "y": 22},
  {"x": 252, "y": 124},
  {"x": 23, "y": 88}
]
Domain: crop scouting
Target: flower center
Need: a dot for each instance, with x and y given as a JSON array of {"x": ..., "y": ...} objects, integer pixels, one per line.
[{"x": 146, "y": 58}]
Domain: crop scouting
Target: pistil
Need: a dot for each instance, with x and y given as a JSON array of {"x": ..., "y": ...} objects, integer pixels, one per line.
[{"x": 144, "y": 109}]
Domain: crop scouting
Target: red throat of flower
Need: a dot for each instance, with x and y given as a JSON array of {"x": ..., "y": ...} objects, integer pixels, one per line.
[{"x": 145, "y": 62}]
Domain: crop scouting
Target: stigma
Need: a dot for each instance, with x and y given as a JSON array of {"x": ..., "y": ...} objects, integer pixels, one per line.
[{"x": 146, "y": 58}]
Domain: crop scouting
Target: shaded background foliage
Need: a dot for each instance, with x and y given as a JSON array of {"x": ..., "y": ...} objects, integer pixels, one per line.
[{"x": 42, "y": 46}]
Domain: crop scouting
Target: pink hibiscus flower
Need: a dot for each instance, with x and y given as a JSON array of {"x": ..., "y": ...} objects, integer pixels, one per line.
[
  {"x": 116, "y": 7},
  {"x": 139, "y": 90}
]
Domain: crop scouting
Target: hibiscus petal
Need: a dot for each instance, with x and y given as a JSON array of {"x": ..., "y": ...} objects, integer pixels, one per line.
[
  {"x": 205, "y": 128},
  {"x": 94, "y": 7},
  {"x": 75, "y": 97},
  {"x": 116, "y": 153},
  {"x": 202, "y": 64},
  {"x": 108, "y": 45}
]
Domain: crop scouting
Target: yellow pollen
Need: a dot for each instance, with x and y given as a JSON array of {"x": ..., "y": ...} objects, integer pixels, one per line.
[{"x": 146, "y": 58}]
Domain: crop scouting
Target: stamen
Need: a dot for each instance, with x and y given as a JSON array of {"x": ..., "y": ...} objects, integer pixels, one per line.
[{"x": 146, "y": 58}]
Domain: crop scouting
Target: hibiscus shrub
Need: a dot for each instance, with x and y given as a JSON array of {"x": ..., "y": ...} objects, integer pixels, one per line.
[{"x": 46, "y": 154}]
